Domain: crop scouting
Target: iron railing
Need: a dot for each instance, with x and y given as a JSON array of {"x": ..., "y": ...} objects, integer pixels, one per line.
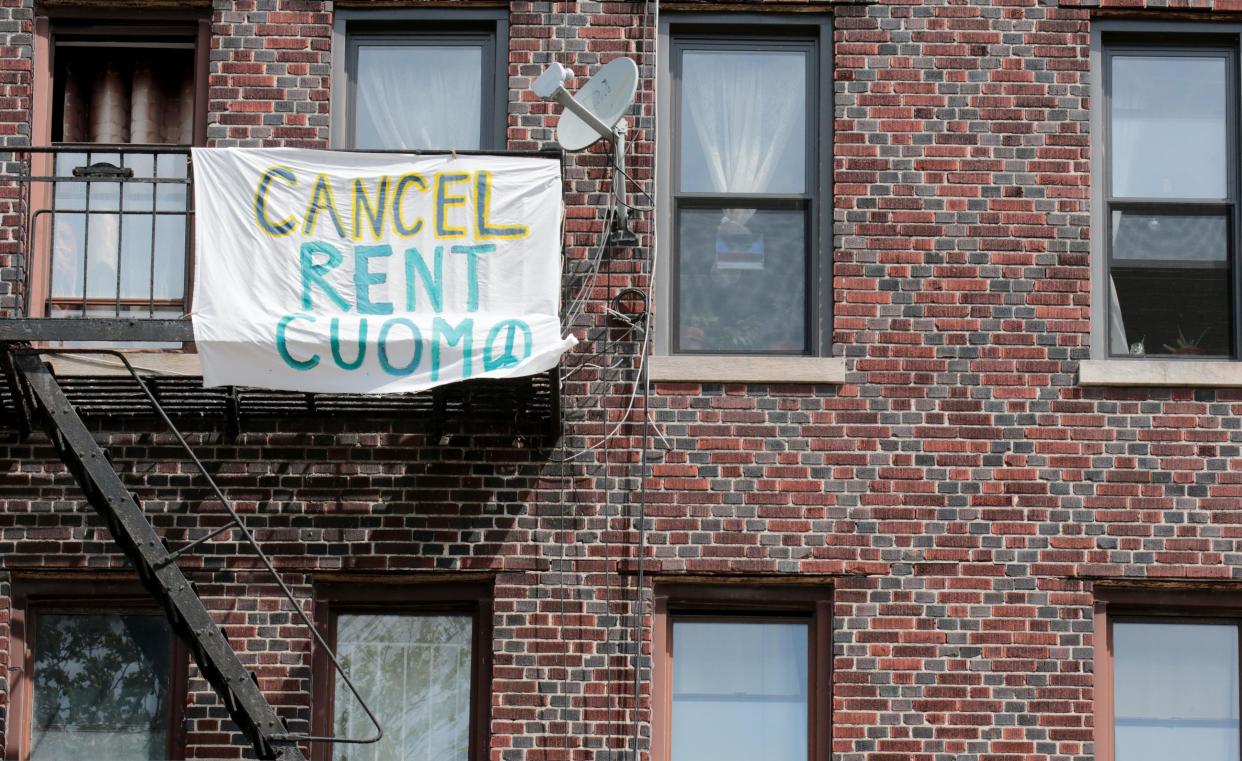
[{"x": 107, "y": 230}]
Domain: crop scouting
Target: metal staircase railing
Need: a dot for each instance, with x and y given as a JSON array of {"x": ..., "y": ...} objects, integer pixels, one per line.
[{"x": 43, "y": 402}]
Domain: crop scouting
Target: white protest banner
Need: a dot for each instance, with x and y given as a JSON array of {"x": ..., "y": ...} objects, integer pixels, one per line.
[{"x": 374, "y": 273}]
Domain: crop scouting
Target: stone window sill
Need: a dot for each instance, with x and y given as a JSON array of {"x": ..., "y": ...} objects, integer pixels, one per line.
[
  {"x": 734, "y": 369},
  {"x": 1207, "y": 373}
]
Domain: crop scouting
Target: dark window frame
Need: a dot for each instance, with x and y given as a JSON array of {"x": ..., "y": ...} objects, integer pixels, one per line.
[
  {"x": 715, "y": 601},
  {"x": 33, "y": 598},
  {"x": 472, "y": 597},
  {"x": 1173, "y": 44},
  {"x": 812, "y": 35},
  {"x": 1140, "y": 605},
  {"x": 433, "y": 27}
]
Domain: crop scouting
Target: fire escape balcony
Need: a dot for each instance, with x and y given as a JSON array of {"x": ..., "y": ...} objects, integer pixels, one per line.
[{"x": 106, "y": 239}]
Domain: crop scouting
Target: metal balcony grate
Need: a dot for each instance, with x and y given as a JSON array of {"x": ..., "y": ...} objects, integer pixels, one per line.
[{"x": 482, "y": 406}]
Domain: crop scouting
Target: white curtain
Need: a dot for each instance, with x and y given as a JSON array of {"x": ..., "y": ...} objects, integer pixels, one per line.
[
  {"x": 1175, "y": 691},
  {"x": 109, "y": 120},
  {"x": 1116, "y": 322},
  {"x": 419, "y": 97},
  {"x": 744, "y": 108},
  {"x": 740, "y": 691}
]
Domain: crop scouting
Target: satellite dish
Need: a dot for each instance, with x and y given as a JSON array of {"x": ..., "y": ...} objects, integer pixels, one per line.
[
  {"x": 595, "y": 114},
  {"x": 607, "y": 95}
]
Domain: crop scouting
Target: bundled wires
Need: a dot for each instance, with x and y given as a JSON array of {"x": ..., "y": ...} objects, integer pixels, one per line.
[{"x": 614, "y": 365}]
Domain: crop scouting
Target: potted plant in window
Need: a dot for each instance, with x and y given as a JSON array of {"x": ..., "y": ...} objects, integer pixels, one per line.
[{"x": 1184, "y": 346}]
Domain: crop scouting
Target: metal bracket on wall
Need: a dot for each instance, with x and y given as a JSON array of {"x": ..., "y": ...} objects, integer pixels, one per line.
[{"x": 232, "y": 412}]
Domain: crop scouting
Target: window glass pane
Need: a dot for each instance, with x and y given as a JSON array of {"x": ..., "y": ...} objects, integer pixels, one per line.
[
  {"x": 1175, "y": 692},
  {"x": 743, "y": 121},
  {"x": 419, "y": 96},
  {"x": 414, "y": 672},
  {"x": 740, "y": 691},
  {"x": 1169, "y": 127},
  {"x": 741, "y": 280},
  {"x": 68, "y": 229},
  {"x": 1170, "y": 284},
  {"x": 87, "y": 234},
  {"x": 170, "y": 231},
  {"x": 100, "y": 687}
]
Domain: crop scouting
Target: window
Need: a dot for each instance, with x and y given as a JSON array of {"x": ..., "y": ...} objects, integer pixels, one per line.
[
  {"x": 1169, "y": 667},
  {"x": 748, "y": 211},
  {"x": 420, "y": 656},
  {"x": 742, "y": 673},
  {"x": 418, "y": 80},
  {"x": 1169, "y": 233},
  {"x": 102, "y": 679},
  {"x": 118, "y": 101}
]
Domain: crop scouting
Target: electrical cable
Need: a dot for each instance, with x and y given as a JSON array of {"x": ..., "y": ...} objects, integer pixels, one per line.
[
  {"x": 586, "y": 361},
  {"x": 598, "y": 267},
  {"x": 645, "y": 376},
  {"x": 625, "y": 175},
  {"x": 578, "y": 305},
  {"x": 605, "y": 508}
]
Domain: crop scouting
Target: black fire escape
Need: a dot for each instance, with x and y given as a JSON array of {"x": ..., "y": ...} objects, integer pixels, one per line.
[{"x": 32, "y": 397}]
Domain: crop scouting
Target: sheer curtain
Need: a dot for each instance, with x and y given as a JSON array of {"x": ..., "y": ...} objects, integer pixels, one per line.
[
  {"x": 740, "y": 691},
  {"x": 744, "y": 109},
  {"x": 419, "y": 96},
  {"x": 1175, "y": 691}
]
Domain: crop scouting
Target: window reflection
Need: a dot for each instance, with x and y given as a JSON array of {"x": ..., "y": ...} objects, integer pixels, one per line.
[
  {"x": 1171, "y": 284},
  {"x": 101, "y": 687},
  {"x": 120, "y": 247},
  {"x": 1169, "y": 127},
  {"x": 741, "y": 280}
]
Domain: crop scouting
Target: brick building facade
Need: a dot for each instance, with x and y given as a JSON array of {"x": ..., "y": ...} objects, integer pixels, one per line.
[{"x": 956, "y": 485}]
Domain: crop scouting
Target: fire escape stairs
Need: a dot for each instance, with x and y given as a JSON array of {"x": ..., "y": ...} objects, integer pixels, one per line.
[{"x": 47, "y": 406}]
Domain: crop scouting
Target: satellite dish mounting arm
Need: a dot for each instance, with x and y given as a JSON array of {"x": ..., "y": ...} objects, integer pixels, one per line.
[
  {"x": 622, "y": 234},
  {"x": 551, "y": 86}
]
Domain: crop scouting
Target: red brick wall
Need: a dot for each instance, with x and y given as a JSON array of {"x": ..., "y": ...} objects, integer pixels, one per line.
[
  {"x": 16, "y": 31},
  {"x": 961, "y": 492},
  {"x": 270, "y": 73}
]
